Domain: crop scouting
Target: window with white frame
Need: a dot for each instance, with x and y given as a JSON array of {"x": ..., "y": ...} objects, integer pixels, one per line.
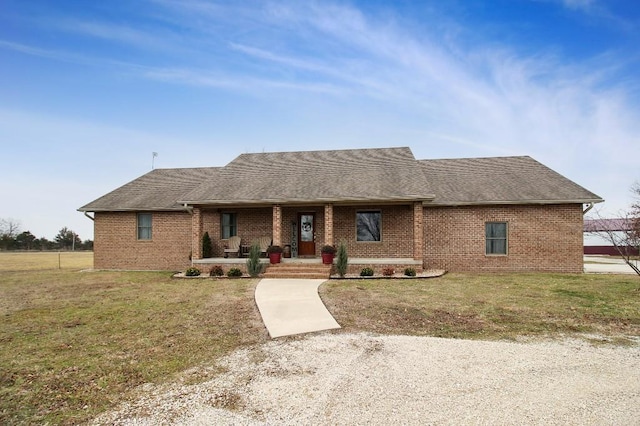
[
  {"x": 144, "y": 226},
  {"x": 369, "y": 225},
  {"x": 496, "y": 238}
]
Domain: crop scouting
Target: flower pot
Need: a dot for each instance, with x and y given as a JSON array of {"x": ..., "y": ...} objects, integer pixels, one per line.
[
  {"x": 274, "y": 258},
  {"x": 327, "y": 258}
]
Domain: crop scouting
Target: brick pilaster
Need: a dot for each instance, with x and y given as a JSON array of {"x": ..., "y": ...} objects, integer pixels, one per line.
[
  {"x": 196, "y": 234},
  {"x": 418, "y": 230},
  {"x": 328, "y": 224},
  {"x": 277, "y": 225}
]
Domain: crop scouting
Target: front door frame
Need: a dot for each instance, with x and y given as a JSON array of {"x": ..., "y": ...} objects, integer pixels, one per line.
[{"x": 307, "y": 248}]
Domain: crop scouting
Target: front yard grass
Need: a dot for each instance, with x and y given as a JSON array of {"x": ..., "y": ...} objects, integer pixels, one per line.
[
  {"x": 74, "y": 344},
  {"x": 496, "y": 306}
]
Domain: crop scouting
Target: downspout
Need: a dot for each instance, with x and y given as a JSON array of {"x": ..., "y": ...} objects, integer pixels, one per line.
[
  {"x": 189, "y": 209},
  {"x": 587, "y": 209},
  {"x": 87, "y": 215}
]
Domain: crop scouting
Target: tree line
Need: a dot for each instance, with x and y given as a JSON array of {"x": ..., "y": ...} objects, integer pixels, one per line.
[{"x": 13, "y": 238}]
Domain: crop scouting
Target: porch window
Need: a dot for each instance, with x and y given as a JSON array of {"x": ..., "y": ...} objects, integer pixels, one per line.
[
  {"x": 496, "y": 238},
  {"x": 144, "y": 226},
  {"x": 369, "y": 226},
  {"x": 229, "y": 225}
]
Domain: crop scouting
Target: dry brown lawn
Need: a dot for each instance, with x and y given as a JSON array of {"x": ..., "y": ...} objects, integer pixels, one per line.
[
  {"x": 74, "y": 344},
  {"x": 33, "y": 261}
]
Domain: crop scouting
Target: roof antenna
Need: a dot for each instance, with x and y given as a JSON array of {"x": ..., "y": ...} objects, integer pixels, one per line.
[{"x": 153, "y": 159}]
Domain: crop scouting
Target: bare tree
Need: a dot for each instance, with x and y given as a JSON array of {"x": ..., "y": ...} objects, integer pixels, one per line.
[
  {"x": 624, "y": 234},
  {"x": 9, "y": 229}
]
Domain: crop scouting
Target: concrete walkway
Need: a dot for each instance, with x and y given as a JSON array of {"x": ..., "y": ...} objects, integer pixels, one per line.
[
  {"x": 606, "y": 265},
  {"x": 292, "y": 306}
]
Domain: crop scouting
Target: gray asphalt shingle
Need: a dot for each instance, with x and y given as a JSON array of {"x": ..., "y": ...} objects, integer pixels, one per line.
[{"x": 354, "y": 175}]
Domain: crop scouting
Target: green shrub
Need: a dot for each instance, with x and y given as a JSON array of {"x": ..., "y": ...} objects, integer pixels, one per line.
[
  {"x": 207, "y": 247},
  {"x": 253, "y": 262},
  {"x": 216, "y": 271},
  {"x": 192, "y": 272},
  {"x": 342, "y": 261},
  {"x": 234, "y": 272},
  {"x": 410, "y": 272},
  {"x": 366, "y": 272},
  {"x": 327, "y": 249},
  {"x": 387, "y": 272}
]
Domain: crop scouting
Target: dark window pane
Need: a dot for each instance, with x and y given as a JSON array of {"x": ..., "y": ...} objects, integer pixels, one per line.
[
  {"x": 496, "y": 237},
  {"x": 144, "y": 226},
  {"x": 229, "y": 225},
  {"x": 368, "y": 226}
]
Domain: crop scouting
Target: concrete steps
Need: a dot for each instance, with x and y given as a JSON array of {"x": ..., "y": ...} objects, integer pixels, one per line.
[{"x": 298, "y": 270}]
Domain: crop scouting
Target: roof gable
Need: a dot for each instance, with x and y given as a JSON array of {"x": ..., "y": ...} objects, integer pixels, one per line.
[{"x": 312, "y": 176}]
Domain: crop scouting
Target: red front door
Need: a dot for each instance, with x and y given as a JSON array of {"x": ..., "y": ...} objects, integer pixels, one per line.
[{"x": 306, "y": 234}]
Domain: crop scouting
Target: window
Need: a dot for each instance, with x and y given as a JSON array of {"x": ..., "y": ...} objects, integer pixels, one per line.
[
  {"x": 368, "y": 226},
  {"x": 496, "y": 238},
  {"x": 229, "y": 225},
  {"x": 144, "y": 226}
]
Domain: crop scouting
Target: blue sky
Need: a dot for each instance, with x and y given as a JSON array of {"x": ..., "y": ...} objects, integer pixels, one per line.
[{"x": 88, "y": 89}]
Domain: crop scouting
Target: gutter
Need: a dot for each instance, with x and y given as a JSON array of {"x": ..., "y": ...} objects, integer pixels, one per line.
[{"x": 589, "y": 207}]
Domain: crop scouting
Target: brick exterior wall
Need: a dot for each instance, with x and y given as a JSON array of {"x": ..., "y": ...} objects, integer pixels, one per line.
[
  {"x": 397, "y": 231},
  {"x": 116, "y": 244},
  {"x": 540, "y": 238}
]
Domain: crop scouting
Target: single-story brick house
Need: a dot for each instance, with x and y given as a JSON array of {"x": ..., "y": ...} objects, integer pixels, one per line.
[{"x": 474, "y": 214}]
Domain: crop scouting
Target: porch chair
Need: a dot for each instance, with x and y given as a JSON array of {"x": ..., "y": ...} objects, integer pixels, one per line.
[
  {"x": 233, "y": 246},
  {"x": 264, "y": 243}
]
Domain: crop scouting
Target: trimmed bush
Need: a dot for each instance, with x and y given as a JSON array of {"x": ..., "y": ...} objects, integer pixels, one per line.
[
  {"x": 410, "y": 272},
  {"x": 216, "y": 271},
  {"x": 387, "y": 272},
  {"x": 342, "y": 260},
  {"x": 192, "y": 272},
  {"x": 234, "y": 272},
  {"x": 207, "y": 247},
  {"x": 366, "y": 272}
]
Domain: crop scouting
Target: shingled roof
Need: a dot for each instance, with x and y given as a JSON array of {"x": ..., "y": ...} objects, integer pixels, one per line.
[
  {"x": 500, "y": 180},
  {"x": 355, "y": 175},
  {"x": 159, "y": 189},
  {"x": 347, "y": 176}
]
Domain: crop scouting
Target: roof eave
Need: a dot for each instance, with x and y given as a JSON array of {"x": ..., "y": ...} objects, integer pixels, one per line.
[
  {"x": 132, "y": 209},
  {"x": 516, "y": 202},
  {"x": 319, "y": 200}
]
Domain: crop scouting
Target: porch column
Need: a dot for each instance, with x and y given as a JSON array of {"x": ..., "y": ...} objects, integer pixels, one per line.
[
  {"x": 277, "y": 225},
  {"x": 196, "y": 234},
  {"x": 328, "y": 224},
  {"x": 418, "y": 230}
]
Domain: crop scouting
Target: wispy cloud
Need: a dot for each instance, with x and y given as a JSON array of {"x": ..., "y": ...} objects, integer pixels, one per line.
[{"x": 490, "y": 98}]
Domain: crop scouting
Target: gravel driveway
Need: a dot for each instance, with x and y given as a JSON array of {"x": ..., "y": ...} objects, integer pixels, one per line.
[{"x": 363, "y": 379}]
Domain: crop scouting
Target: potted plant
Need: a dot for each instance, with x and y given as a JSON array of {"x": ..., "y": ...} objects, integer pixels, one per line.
[
  {"x": 275, "y": 254},
  {"x": 327, "y": 252}
]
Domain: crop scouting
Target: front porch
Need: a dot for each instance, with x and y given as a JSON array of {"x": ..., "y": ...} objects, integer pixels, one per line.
[{"x": 395, "y": 237}]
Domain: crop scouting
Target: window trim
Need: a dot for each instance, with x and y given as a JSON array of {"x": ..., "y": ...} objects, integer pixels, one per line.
[
  {"x": 233, "y": 226},
  {"x": 505, "y": 238},
  {"x": 379, "y": 212},
  {"x": 140, "y": 228}
]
